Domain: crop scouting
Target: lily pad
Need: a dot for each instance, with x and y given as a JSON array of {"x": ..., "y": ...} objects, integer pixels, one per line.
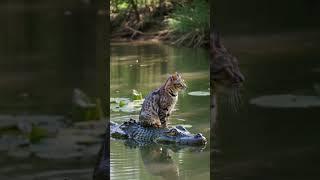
[
  {"x": 125, "y": 105},
  {"x": 286, "y": 101},
  {"x": 199, "y": 93},
  {"x": 69, "y": 144},
  {"x": 118, "y": 100},
  {"x": 122, "y": 103},
  {"x": 179, "y": 119},
  {"x": 136, "y": 95},
  {"x": 37, "y": 133}
]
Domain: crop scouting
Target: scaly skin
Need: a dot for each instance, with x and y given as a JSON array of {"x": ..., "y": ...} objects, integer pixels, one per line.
[{"x": 146, "y": 135}]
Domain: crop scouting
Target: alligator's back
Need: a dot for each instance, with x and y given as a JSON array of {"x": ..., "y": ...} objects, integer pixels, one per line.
[
  {"x": 144, "y": 135},
  {"x": 134, "y": 130}
]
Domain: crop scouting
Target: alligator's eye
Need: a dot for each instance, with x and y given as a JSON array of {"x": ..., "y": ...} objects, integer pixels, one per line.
[{"x": 173, "y": 132}]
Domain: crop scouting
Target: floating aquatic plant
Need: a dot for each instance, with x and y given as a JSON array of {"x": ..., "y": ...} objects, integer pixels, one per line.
[
  {"x": 199, "y": 93},
  {"x": 127, "y": 105},
  {"x": 37, "y": 133},
  {"x": 286, "y": 101},
  {"x": 136, "y": 95}
]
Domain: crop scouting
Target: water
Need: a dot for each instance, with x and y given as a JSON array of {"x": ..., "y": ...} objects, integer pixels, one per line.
[
  {"x": 144, "y": 67},
  {"x": 47, "y": 49},
  {"x": 272, "y": 142}
]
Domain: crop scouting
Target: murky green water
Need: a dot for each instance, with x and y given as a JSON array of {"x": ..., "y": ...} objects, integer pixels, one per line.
[
  {"x": 280, "y": 139},
  {"x": 145, "y": 67},
  {"x": 47, "y": 49}
]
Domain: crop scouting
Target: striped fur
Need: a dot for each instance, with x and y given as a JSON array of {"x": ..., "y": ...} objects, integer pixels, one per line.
[{"x": 158, "y": 105}]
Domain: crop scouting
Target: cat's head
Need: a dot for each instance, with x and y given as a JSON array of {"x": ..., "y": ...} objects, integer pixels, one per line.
[{"x": 176, "y": 83}]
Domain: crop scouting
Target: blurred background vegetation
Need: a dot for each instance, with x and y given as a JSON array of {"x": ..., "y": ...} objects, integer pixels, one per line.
[{"x": 181, "y": 22}]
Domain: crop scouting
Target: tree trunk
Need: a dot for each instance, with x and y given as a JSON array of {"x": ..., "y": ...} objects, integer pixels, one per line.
[
  {"x": 161, "y": 6},
  {"x": 135, "y": 8}
]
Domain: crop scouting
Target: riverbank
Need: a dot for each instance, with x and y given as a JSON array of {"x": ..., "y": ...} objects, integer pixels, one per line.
[{"x": 168, "y": 22}]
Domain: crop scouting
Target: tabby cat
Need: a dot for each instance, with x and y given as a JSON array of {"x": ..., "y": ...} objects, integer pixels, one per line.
[{"x": 158, "y": 105}]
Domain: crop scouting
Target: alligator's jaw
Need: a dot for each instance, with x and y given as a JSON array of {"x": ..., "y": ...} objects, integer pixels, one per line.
[{"x": 197, "y": 140}]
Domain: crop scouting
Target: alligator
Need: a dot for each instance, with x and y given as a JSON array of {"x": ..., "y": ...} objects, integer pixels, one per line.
[
  {"x": 136, "y": 135},
  {"x": 146, "y": 135}
]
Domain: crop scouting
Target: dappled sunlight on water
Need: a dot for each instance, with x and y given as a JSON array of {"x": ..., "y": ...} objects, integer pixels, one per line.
[{"x": 145, "y": 67}]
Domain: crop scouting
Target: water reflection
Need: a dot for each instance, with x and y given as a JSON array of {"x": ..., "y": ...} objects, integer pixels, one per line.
[
  {"x": 158, "y": 161},
  {"x": 144, "y": 67},
  {"x": 47, "y": 49},
  {"x": 275, "y": 136}
]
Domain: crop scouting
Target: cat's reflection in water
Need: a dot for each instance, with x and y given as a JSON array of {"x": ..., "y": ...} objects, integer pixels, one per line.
[{"x": 158, "y": 161}]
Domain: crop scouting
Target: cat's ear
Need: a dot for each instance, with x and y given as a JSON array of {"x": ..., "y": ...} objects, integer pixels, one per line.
[
  {"x": 174, "y": 76},
  {"x": 178, "y": 75},
  {"x": 215, "y": 41}
]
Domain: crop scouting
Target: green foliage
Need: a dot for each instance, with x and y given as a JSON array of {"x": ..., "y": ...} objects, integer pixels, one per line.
[
  {"x": 37, "y": 134},
  {"x": 190, "y": 18},
  {"x": 122, "y": 103},
  {"x": 192, "y": 21},
  {"x": 118, "y": 5},
  {"x": 123, "y": 6},
  {"x": 187, "y": 21},
  {"x": 136, "y": 95}
]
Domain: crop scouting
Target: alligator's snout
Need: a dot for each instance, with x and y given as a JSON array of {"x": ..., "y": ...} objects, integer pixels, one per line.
[
  {"x": 199, "y": 135},
  {"x": 199, "y": 139},
  {"x": 195, "y": 140}
]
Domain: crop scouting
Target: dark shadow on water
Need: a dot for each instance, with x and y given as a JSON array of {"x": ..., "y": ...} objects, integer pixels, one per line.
[
  {"x": 157, "y": 159},
  {"x": 271, "y": 142},
  {"x": 48, "y": 49}
]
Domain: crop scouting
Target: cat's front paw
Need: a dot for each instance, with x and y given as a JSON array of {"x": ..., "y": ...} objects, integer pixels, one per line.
[
  {"x": 157, "y": 125},
  {"x": 164, "y": 125}
]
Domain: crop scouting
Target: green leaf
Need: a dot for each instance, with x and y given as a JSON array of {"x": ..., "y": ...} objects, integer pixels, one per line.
[
  {"x": 37, "y": 134},
  {"x": 136, "y": 95}
]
